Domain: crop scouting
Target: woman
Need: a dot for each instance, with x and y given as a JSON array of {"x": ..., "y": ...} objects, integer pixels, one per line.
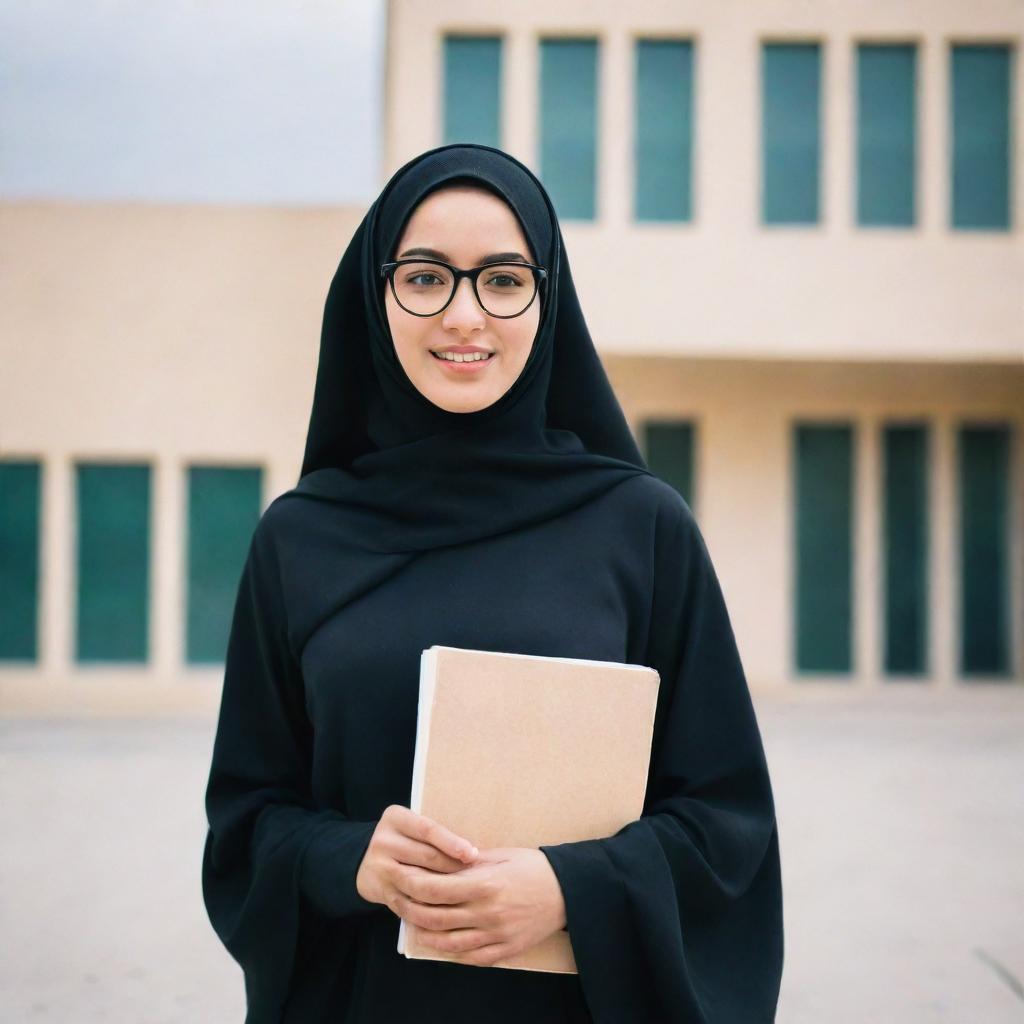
[{"x": 502, "y": 505}]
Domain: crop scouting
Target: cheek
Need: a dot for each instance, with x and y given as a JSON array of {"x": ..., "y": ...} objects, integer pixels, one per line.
[
  {"x": 520, "y": 338},
  {"x": 406, "y": 330}
]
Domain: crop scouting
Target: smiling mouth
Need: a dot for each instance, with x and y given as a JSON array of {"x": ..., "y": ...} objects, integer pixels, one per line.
[{"x": 462, "y": 358}]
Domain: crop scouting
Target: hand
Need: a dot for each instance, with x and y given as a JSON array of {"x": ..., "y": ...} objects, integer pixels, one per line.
[
  {"x": 508, "y": 901},
  {"x": 403, "y": 841}
]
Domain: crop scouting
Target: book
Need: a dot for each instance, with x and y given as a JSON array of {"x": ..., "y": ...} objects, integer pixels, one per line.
[{"x": 526, "y": 750}]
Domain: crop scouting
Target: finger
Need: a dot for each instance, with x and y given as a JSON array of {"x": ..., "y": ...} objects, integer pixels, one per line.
[
  {"x": 412, "y": 851},
  {"x": 454, "y": 940},
  {"x": 426, "y": 830},
  {"x": 435, "y": 887},
  {"x": 431, "y": 918},
  {"x": 485, "y": 956}
]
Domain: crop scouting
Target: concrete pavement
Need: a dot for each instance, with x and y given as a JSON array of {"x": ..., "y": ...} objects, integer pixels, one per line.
[{"x": 901, "y": 823}]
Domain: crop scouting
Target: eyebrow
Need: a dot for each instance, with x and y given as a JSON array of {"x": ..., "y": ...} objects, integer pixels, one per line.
[{"x": 436, "y": 254}]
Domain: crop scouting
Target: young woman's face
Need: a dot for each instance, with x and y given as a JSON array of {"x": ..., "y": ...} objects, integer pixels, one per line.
[{"x": 466, "y": 227}]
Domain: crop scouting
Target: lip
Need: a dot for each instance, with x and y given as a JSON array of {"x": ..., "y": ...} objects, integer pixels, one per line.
[
  {"x": 461, "y": 348},
  {"x": 475, "y": 366}
]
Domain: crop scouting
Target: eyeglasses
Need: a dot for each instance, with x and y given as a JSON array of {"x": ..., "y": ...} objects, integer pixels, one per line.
[{"x": 426, "y": 287}]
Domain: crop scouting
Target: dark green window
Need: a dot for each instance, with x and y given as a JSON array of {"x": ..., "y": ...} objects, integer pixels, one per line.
[
  {"x": 113, "y": 503},
  {"x": 886, "y": 126},
  {"x": 568, "y": 125},
  {"x": 984, "y": 477},
  {"x": 791, "y": 132},
  {"x": 19, "y": 559},
  {"x": 981, "y": 136},
  {"x": 905, "y": 539},
  {"x": 823, "y": 547},
  {"x": 223, "y": 509},
  {"x": 668, "y": 450},
  {"x": 664, "y": 129},
  {"x": 472, "y": 89}
]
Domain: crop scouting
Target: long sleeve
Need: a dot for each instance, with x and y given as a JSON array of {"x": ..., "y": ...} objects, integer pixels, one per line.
[
  {"x": 678, "y": 916},
  {"x": 277, "y": 870}
]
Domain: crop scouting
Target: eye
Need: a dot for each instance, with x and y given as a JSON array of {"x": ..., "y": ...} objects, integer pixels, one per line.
[
  {"x": 504, "y": 280},
  {"x": 424, "y": 278}
]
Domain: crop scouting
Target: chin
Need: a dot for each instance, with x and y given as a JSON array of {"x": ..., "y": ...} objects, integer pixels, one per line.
[
  {"x": 461, "y": 403},
  {"x": 462, "y": 406}
]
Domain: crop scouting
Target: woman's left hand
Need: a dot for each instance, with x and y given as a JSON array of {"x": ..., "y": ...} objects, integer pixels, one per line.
[{"x": 520, "y": 904}]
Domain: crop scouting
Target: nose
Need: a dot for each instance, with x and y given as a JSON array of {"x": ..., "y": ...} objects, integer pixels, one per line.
[{"x": 463, "y": 313}]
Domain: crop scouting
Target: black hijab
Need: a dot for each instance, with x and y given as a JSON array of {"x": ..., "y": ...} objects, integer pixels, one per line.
[{"x": 412, "y": 476}]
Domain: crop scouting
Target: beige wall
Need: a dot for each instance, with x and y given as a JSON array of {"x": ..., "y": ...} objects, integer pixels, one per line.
[
  {"x": 136, "y": 329},
  {"x": 164, "y": 333},
  {"x": 832, "y": 290}
]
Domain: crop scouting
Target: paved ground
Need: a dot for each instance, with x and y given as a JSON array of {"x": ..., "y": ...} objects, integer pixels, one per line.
[{"x": 901, "y": 826}]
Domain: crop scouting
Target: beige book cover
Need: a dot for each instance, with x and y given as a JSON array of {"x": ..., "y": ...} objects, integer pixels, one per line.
[{"x": 526, "y": 750}]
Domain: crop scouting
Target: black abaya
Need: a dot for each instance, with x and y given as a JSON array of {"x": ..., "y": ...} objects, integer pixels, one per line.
[{"x": 526, "y": 527}]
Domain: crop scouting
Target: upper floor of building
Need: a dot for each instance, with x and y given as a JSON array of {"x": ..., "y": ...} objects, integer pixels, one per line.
[{"x": 770, "y": 179}]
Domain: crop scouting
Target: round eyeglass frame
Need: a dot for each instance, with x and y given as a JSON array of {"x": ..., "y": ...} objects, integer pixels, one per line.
[{"x": 387, "y": 270}]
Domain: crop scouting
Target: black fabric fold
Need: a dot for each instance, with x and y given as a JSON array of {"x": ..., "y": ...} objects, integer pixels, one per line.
[
  {"x": 678, "y": 916},
  {"x": 263, "y": 819}
]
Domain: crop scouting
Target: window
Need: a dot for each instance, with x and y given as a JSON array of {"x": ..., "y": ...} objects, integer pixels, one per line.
[
  {"x": 568, "y": 125},
  {"x": 663, "y": 130},
  {"x": 668, "y": 451},
  {"x": 983, "y": 455},
  {"x": 981, "y": 136},
  {"x": 472, "y": 89},
  {"x": 791, "y": 132},
  {"x": 19, "y": 559},
  {"x": 113, "y": 503},
  {"x": 823, "y": 547},
  {"x": 223, "y": 510},
  {"x": 886, "y": 131},
  {"x": 905, "y": 537}
]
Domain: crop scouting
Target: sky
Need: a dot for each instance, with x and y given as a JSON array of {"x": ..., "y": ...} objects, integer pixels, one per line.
[{"x": 208, "y": 101}]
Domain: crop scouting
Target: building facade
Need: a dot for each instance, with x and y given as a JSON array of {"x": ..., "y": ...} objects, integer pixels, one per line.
[
  {"x": 157, "y": 375},
  {"x": 796, "y": 233}
]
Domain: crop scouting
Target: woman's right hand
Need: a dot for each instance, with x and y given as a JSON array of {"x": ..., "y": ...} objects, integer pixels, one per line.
[{"x": 404, "y": 837}]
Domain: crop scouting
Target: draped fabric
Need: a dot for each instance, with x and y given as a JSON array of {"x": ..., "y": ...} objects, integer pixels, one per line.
[{"x": 677, "y": 917}]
